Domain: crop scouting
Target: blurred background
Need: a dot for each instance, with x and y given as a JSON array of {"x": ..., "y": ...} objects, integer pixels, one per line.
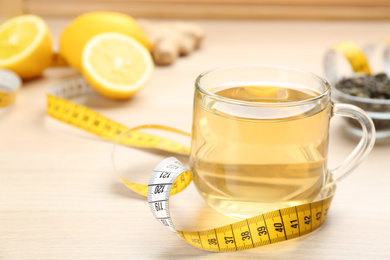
[{"x": 210, "y": 9}]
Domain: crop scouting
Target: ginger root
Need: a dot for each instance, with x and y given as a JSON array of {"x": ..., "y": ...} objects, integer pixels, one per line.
[{"x": 172, "y": 39}]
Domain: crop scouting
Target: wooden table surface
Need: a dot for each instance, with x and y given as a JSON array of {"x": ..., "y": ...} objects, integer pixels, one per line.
[{"x": 61, "y": 199}]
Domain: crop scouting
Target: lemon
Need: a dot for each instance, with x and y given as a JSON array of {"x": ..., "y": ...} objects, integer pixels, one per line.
[
  {"x": 116, "y": 65},
  {"x": 25, "y": 45},
  {"x": 74, "y": 37}
]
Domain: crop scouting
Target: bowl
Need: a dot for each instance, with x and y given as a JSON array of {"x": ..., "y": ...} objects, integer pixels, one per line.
[{"x": 377, "y": 109}]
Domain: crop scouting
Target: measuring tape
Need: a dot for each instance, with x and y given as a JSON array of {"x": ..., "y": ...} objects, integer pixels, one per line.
[
  {"x": 269, "y": 228},
  {"x": 170, "y": 177},
  {"x": 9, "y": 86}
]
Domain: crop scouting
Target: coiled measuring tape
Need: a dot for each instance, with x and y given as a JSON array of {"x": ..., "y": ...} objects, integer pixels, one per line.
[
  {"x": 9, "y": 86},
  {"x": 272, "y": 227},
  {"x": 170, "y": 176}
]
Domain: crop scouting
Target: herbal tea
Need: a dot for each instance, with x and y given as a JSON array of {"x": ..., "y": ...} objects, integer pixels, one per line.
[{"x": 246, "y": 165}]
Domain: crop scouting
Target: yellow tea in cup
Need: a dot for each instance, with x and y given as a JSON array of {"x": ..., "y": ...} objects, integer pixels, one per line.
[{"x": 260, "y": 138}]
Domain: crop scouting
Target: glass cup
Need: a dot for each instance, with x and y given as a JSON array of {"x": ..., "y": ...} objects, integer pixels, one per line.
[{"x": 260, "y": 138}]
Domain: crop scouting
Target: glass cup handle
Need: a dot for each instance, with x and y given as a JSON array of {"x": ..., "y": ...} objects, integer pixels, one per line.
[{"x": 365, "y": 144}]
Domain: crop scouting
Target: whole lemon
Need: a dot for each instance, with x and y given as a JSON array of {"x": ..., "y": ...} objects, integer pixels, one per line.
[{"x": 78, "y": 32}]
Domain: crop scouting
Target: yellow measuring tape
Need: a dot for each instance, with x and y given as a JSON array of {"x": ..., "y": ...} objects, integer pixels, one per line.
[
  {"x": 272, "y": 227},
  {"x": 170, "y": 176}
]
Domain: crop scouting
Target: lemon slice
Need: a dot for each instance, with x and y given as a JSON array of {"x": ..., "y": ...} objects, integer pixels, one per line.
[
  {"x": 116, "y": 65},
  {"x": 25, "y": 45}
]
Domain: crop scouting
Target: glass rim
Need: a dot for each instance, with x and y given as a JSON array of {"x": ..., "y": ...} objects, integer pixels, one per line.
[{"x": 325, "y": 93}]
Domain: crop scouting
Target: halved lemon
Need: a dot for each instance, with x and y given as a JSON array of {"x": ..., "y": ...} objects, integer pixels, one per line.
[
  {"x": 80, "y": 30},
  {"x": 25, "y": 45},
  {"x": 116, "y": 65}
]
